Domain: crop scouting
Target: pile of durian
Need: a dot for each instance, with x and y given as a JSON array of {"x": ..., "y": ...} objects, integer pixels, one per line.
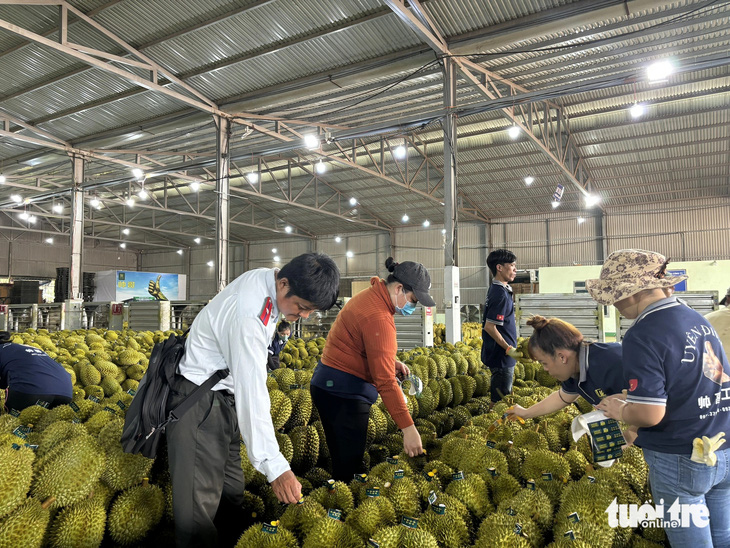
[{"x": 483, "y": 481}]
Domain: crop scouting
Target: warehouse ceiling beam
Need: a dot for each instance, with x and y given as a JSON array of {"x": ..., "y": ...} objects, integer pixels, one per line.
[
  {"x": 103, "y": 60},
  {"x": 553, "y": 138}
]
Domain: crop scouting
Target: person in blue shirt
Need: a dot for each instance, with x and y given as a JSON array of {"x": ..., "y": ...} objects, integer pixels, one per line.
[
  {"x": 591, "y": 370},
  {"x": 678, "y": 381},
  {"x": 31, "y": 377},
  {"x": 499, "y": 331},
  {"x": 283, "y": 330}
]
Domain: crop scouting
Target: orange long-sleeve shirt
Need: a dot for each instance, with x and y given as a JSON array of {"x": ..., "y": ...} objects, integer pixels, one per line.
[{"x": 362, "y": 342}]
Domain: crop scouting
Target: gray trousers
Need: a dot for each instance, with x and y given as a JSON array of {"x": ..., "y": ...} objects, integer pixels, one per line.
[{"x": 205, "y": 463}]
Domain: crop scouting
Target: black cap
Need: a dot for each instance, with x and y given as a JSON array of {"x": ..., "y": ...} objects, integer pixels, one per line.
[{"x": 416, "y": 276}]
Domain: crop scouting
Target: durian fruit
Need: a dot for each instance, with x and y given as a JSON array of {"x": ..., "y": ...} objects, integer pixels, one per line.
[
  {"x": 285, "y": 378},
  {"x": 301, "y": 400},
  {"x": 447, "y": 527},
  {"x": 591, "y": 533},
  {"x": 71, "y": 473},
  {"x": 285, "y": 446},
  {"x": 97, "y": 421},
  {"x": 385, "y": 470},
  {"x": 16, "y": 474},
  {"x": 372, "y": 514},
  {"x": 267, "y": 536},
  {"x": 306, "y": 447},
  {"x": 125, "y": 470},
  {"x": 403, "y": 494},
  {"x": 135, "y": 512},
  {"x": 380, "y": 423},
  {"x": 473, "y": 492},
  {"x": 329, "y": 531},
  {"x": 532, "y": 504},
  {"x": 253, "y": 507},
  {"x": 32, "y": 414},
  {"x": 334, "y": 495},
  {"x": 26, "y": 525},
  {"x": 255, "y": 480},
  {"x": 81, "y": 525},
  {"x": 299, "y": 518},
  {"x": 502, "y": 487},
  {"x": 577, "y": 462},
  {"x": 318, "y": 476},
  {"x": 402, "y": 536},
  {"x": 281, "y": 408},
  {"x": 425, "y": 483},
  {"x": 548, "y": 470},
  {"x": 508, "y": 531}
]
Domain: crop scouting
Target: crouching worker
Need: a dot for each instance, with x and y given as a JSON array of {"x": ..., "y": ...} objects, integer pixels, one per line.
[
  {"x": 31, "y": 377},
  {"x": 233, "y": 332},
  {"x": 282, "y": 335},
  {"x": 591, "y": 370}
]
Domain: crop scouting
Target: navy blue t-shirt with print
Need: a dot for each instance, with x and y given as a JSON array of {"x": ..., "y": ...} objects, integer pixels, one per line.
[
  {"x": 672, "y": 356},
  {"x": 500, "y": 311},
  {"x": 31, "y": 371},
  {"x": 601, "y": 373}
]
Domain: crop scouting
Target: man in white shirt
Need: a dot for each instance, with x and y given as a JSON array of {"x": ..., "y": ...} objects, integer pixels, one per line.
[
  {"x": 233, "y": 332},
  {"x": 720, "y": 320}
]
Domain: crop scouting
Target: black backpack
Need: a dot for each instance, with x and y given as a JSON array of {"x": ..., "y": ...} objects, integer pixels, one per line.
[{"x": 145, "y": 420}]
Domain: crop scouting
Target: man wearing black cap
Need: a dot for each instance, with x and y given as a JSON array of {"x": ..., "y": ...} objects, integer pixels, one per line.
[{"x": 358, "y": 363}]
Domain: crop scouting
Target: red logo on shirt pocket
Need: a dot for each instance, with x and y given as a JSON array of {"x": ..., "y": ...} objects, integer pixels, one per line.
[
  {"x": 500, "y": 317},
  {"x": 633, "y": 384}
]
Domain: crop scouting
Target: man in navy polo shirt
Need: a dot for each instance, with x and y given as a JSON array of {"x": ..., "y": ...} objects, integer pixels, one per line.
[
  {"x": 678, "y": 380},
  {"x": 31, "y": 376},
  {"x": 499, "y": 334}
]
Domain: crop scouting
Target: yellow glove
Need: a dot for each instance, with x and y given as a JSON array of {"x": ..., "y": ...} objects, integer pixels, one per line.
[
  {"x": 512, "y": 352},
  {"x": 703, "y": 450}
]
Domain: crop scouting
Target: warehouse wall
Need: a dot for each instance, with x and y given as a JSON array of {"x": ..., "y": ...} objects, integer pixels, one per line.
[{"x": 29, "y": 255}]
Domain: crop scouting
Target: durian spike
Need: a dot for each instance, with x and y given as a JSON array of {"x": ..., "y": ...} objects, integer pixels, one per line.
[
  {"x": 145, "y": 482},
  {"x": 48, "y": 502}
]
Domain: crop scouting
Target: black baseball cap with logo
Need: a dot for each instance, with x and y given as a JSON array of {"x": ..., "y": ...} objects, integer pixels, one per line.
[{"x": 416, "y": 276}]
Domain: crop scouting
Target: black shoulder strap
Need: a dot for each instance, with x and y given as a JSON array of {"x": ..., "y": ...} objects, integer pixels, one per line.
[{"x": 191, "y": 399}]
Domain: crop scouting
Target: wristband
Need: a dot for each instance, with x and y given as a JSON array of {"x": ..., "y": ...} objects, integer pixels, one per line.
[
  {"x": 508, "y": 349},
  {"x": 621, "y": 411}
]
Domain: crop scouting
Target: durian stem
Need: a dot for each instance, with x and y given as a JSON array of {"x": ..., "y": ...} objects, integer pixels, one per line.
[{"x": 48, "y": 502}]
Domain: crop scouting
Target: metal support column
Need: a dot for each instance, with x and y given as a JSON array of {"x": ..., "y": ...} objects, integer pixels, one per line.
[
  {"x": 222, "y": 215},
  {"x": 451, "y": 249},
  {"x": 77, "y": 228}
]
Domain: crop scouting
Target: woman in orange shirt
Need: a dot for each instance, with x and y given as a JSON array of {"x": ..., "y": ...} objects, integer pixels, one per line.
[{"x": 359, "y": 362}]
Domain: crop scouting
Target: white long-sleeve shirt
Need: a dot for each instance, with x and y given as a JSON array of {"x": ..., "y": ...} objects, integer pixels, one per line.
[{"x": 234, "y": 331}]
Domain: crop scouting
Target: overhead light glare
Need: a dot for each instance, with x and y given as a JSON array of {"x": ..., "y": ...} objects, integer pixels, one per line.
[
  {"x": 514, "y": 131},
  {"x": 24, "y": 216},
  {"x": 123, "y": 245},
  {"x": 287, "y": 229},
  {"x": 138, "y": 173},
  {"x": 17, "y": 198},
  {"x": 659, "y": 70},
  {"x": 273, "y": 250},
  {"x": 179, "y": 251},
  {"x": 581, "y": 220},
  {"x": 426, "y": 223},
  {"x": 555, "y": 204},
  {"x": 125, "y": 231},
  {"x": 400, "y": 152},
  {"x": 94, "y": 202},
  {"x": 49, "y": 240},
  {"x": 321, "y": 167},
  {"x": 350, "y": 254},
  {"x": 637, "y": 110},
  {"x": 311, "y": 141},
  {"x": 57, "y": 208},
  {"x": 142, "y": 194},
  {"x": 529, "y": 180},
  {"x": 252, "y": 177},
  {"x": 338, "y": 239},
  {"x": 2, "y": 179},
  {"x": 443, "y": 231},
  {"x": 592, "y": 200},
  {"x": 197, "y": 240},
  {"x": 32, "y": 219},
  {"x": 129, "y": 202},
  {"x": 405, "y": 218},
  {"x": 211, "y": 264},
  {"x": 276, "y": 258},
  {"x": 195, "y": 186}
]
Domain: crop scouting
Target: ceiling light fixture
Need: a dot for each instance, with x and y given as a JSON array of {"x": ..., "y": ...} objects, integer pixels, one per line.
[
  {"x": 555, "y": 204},
  {"x": 637, "y": 110},
  {"x": 400, "y": 152},
  {"x": 195, "y": 186},
  {"x": 211, "y": 264},
  {"x": 125, "y": 231},
  {"x": 311, "y": 141},
  {"x": 659, "y": 70},
  {"x": 592, "y": 200},
  {"x": 252, "y": 177},
  {"x": 426, "y": 223},
  {"x": 529, "y": 180},
  {"x": 321, "y": 167},
  {"x": 405, "y": 218},
  {"x": 276, "y": 258},
  {"x": 179, "y": 251},
  {"x": 514, "y": 131},
  {"x": 94, "y": 202},
  {"x": 287, "y": 229},
  {"x": 142, "y": 194},
  {"x": 17, "y": 198},
  {"x": 32, "y": 219},
  {"x": 197, "y": 240},
  {"x": 353, "y": 201},
  {"x": 443, "y": 231},
  {"x": 273, "y": 250},
  {"x": 349, "y": 254},
  {"x": 581, "y": 220},
  {"x": 24, "y": 216},
  {"x": 130, "y": 202},
  {"x": 2, "y": 179},
  {"x": 138, "y": 173},
  {"x": 57, "y": 208},
  {"x": 338, "y": 239},
  {"x": 49, "y": 240},
  {"x": 123, "y": 245}
]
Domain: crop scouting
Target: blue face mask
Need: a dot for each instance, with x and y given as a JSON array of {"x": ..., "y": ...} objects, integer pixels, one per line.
[{"x": 407, "y": 309}]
